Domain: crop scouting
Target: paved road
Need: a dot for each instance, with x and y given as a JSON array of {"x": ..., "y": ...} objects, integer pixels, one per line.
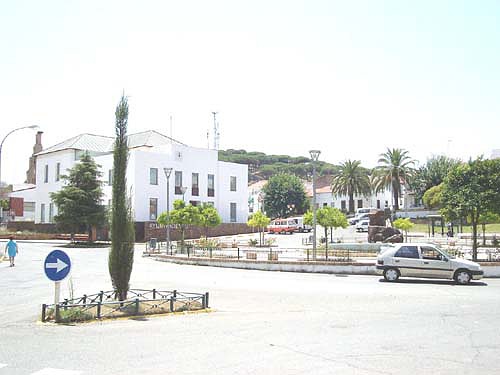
[{"x": 263, "y": 323}]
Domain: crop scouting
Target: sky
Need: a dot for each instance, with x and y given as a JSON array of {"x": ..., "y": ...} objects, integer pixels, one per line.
[{"x": 349, "y": 78}]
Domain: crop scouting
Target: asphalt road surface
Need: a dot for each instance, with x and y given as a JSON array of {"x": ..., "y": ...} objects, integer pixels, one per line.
[{"x": 262, "y": 323}]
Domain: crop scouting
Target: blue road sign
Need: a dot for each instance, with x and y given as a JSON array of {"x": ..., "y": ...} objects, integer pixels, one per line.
[{"x": 57, "y": 265}]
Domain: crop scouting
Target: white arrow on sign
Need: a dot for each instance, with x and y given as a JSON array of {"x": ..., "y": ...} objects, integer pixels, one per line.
[{"x": 59, "y": 265}]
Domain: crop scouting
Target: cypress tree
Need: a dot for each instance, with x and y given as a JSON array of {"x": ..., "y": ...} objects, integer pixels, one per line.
[{"x": 121, "y": 256}]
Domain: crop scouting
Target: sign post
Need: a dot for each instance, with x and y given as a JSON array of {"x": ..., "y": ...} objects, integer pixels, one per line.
[{"x": 57, "y": 266}]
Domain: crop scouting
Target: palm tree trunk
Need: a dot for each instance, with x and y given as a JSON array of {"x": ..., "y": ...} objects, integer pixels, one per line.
[{"x": 351, "y": 203}]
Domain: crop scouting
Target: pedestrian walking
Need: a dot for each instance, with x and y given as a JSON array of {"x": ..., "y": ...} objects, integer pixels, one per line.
[{"x": 12, "y": 250}]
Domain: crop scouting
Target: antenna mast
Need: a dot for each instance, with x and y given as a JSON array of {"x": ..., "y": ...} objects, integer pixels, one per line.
[{"x": 216, "y": 131}]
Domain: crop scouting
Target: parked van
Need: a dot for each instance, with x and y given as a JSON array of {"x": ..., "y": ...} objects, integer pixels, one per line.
[
  {"x": 299, "y": 224},
  {"x": 282, "y": 226},
  {"x": 364, "y": 210}
]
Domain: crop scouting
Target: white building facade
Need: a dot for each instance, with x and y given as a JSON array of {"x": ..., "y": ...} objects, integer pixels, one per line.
[{"x": 196, "y": 172}]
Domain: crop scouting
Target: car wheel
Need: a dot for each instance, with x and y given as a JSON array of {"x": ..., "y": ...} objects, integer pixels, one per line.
[
  {"x": 463, "y": 277},
  {"x": 391, "y": 274}
]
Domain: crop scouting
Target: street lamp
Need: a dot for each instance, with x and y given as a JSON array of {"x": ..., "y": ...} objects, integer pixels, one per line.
[
  {"x": 314, "y": 157},
  {"x": 168, "y": 172},
  {"x": 183, "y": 191},
  {"x": 1, "y": 145}
]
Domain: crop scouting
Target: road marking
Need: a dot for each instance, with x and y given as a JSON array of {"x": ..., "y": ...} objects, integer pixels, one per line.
[{"x": 54, "y": 371}]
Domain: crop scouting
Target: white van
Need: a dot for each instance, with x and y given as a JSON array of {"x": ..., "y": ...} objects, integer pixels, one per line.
[
  {"x": 364, "y": 210},
  {"x": 299, "y": 224}
]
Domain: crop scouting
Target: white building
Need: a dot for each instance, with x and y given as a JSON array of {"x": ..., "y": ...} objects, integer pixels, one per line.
[{"x": 204, "y": 177}]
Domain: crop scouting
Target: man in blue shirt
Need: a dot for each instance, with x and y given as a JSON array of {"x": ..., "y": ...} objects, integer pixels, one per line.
[{"x": 11, "y": 249}]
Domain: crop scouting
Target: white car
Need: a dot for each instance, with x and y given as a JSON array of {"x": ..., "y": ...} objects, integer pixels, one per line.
[
  {"x": 425, "y": 260},
  {"x": 362, "y": 225},
  {"x": 354, "y": 220}
]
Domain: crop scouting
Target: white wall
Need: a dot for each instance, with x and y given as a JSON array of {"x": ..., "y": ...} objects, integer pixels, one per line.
[
  {"x": 188, "y": 160},
  {"x": 370, "y": 201}
]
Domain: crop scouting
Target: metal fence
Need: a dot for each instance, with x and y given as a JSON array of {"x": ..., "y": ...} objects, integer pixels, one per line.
[
  {"x": 273, "y": 254},
  {"x": 104, "y": 305}
]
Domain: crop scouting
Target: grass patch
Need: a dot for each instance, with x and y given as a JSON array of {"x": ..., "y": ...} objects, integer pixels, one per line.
[{"x": 86, "y": 245}]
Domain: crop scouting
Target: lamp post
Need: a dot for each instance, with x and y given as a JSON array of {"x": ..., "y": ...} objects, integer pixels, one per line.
[
  {"x": 183, "y": 191},
  {"x": 168, "y": 172},
  {"x": 314, "y": 157},
  {"x": 1, "y": 145}
]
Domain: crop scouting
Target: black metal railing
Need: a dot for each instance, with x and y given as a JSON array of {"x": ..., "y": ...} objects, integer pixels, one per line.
[{"x": 141, "y": 302}]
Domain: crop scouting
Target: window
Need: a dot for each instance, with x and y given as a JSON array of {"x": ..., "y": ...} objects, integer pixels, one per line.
[
  {"x": 332, "y": 204},
  {"x": 325, "y": 204},
  {"x": 407, "y": 252},
  {"x": 378, "y": 204},
  {"x": 343, "y": 205},
  {"x": 195, "y": 189},
  {"x": 211, "y": 185},
  {"x": 153, "y": 176},
  {"x": 386, "y": 204},
  {"x": 29, "y": 207},
  {"x": 360, "y": 203},
  {"x": 110, "y": 177},
  {"x": 42, "y": 213},
  {"x": 178, "y": 182},
  {"x": 51, "y": 212},
  {"x": 430, "y": 253},
  {"x": 233, "y": 212},
  {"x": 46, "y": 174},
  {"x": 232, "y": 184},
  {"x": 195, "y": 203},
  {"x": 58, "y": 171},
  {"x": 153, "y": 208}
]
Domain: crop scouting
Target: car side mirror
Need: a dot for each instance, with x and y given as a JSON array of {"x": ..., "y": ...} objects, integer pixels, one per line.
[{"x": 444, "y": 259}]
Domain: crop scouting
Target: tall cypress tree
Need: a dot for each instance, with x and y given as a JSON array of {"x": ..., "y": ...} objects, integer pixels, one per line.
[{"x": 121, "y": 256}]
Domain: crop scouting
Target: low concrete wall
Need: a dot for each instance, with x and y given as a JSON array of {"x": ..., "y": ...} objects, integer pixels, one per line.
[{"x": 491, "y": 270}]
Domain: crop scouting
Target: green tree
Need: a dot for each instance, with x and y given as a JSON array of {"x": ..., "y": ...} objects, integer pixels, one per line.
[
  {"x": 394, "y": 170},
  {"x": 261, "y": 221},
  {"x": 284, "y": 195},
  {"x": 330, "y": 217},
  {"x": 352, "y": 179},
  {"x": 403, "y": 224},
  {"x": 471, "y": 189},
  {"x": 209, "y": 217},
  {"x": 183, "y": 216},
  {"x": 432, "y": 197},
  {"x": 79, "y": 201},
  {"x": 121, "y": 255},
  {"x": 487, "y": 218},
  {"x": 431, "y": 174}
]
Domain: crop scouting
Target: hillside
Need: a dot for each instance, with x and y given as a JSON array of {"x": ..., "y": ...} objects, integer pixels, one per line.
[{"x": 262, "y": 166}]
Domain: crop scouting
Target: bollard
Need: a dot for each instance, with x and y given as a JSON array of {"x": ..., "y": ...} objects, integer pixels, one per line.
[
  {"x": 154, "y": 293},
  {"x": 98, "y": 310},
  {"x": 137, "y": 306},
  {"x": 84, "y": 300},
  {"x": 175, "y": 293},
  {"x": 44, "y": 311},
  {"x": 238, "y": 253},
  {"x": 206, "y": 300},
  {"x": 210, "y": 253},
  {"x": 308, "y": 254},
  {"x": 203, "y": 302},
  {"x": 101, "y": 294}
]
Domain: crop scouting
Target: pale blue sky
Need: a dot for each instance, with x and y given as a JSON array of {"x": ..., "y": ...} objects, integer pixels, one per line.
[{"x": 347, "y": 77}]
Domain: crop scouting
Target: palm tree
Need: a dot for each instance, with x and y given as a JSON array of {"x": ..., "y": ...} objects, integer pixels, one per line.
[
  {"x": 351, "y": 180},
  {"x": 394, "y": 170}
]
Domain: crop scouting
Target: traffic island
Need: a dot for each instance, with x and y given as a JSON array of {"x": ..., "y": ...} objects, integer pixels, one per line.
[{"x": 104, "y": 305}]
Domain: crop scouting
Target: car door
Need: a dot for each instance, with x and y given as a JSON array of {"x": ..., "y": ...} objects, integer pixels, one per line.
[
  {"x": 407, "y": 260},
  {"x": 434, "y": 263}
]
